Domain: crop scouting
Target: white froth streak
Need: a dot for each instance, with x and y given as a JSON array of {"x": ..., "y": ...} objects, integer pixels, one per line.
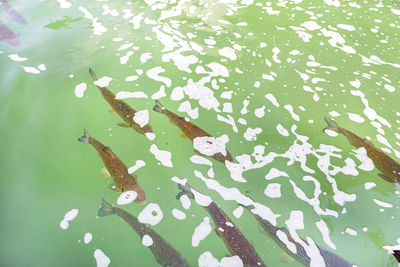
[
  {"x": 382, "y": 203},
  {"x": 139, "y": 164},
  {"x": 201, "y": 231},
  {"x": 101, "y": 259},
  {"x": 161, "y": 155},
  {"x": 323, "y": 228},
  {"x": 146, "y": 215},
  {"x": 154, "y": 74}
]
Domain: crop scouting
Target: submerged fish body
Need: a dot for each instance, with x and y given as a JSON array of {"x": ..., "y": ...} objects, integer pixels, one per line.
[
  {"x": 190, "y": 130},
  {"x": 234, "y": 240},
  {"x": 164, "y": 253},
  {"x": 118, "y": 170},
  {"x": 331, "y": 259},
  {"x": 13, "y": 13},
  {"x": 7, "y": 35},
  {"x": 124, "y": 110},
  {"x": 390, "y": 169}
]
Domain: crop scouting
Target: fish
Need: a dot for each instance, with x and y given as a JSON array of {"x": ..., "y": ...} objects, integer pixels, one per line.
[
  {"x": 190, "y": 131},
  {"x": 394, "y": 250},
  {"x": 14, "y": 15},
  {"x": 124, "y": 110},
  {"x": 234, "y": 240},
  {"x": 164, "y": 253},
  {"x": 118, "y": 170},
  {"x": 7, "y": 35},
  {"x": 331, "y": 259},
  {"x": 390, "y": 169}
]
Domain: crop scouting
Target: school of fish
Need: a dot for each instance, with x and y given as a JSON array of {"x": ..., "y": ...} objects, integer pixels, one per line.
[{"x": 234, "y": 240}]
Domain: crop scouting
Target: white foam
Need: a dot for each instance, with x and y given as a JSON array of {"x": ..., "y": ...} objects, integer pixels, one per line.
[
  {"x": 201, "y": 231},
  {"x": 209, "y": 145},
  {"x": 259, "y": 112},
  {"x": 323, "y": 228},
  {"x": 98, "y": 28},
  {"x": 366, "y": 163},
  {"x": 238, "y": 212},
  {"x": 390, "y": 88},
  {"x": 207, "y": 260},
  {"x": 146, "y": 215},
  {"x": 271, "y": 98},
  {"x": 42, "y": 67},
  {"x": 282, "y": 130},
  {"x": 284, "y": 238},
  {"x": 186, "y": 107},
  {"x": 69, "y": 216},
  {"x": 17, "y": 58},
  {"x": 101, "y": 259},
  {"x": 290, "y": 109},
  {"x": 185, "y": 201},
  {"x": 87, "y": 238},
  {"x": 80, "y": 89},
  {"x": 229, "y": 120},
  {"x": 147, "y": 240},
  {"x": 369, "y": 185},
  {"x": 31, "y": 70},
  {"x": 64, "y": 4},
  {"x": 180, "y": 215},
  {"x": 346, "y": 27},
  {"x": 273, "y": 190},
  {"x": 103, "y": 81},
  {"x": 391, "y": 249},
  {"x": 150, "y": 136},
  {"x": 160, "y": 93},
  {"x": 311, "y": 25},
  {"x": 382, "y": 203},
  {"x": 350, "y": 231},
  {"x": 200, "y": 160},
  {"x": 251, "y": 134},
  {"x": 233, "y": 261},
  {"x": 355, "y": 117},
  {"x": 162, "y": 155},
  {"x": 154, "y": 74},
  {"x": 139, "y": 163},
  {"x": 228, "y": 52},
  {"x": 141, "y": 117},
  {"x": 126, "y": 197},
  {"x": 124, "y": 94},
  {"x": 274, "y": 173}
]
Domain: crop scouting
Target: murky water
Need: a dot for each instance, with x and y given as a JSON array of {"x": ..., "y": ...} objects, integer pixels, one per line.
[{"x": 259, "y": 76}]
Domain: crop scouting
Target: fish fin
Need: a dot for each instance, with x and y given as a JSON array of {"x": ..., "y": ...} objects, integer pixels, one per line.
[
  {"x": 262, "y": 230},
  {"x": 331, "y": 125},
  {"x": 124, "y": 124},
  {"x": 186, "y": 190},
  {"x": 85, "y": 138},
  {"x": 111, "y": 110},
  {"x": 286, "y": 258},
  {"x": 367, "y": 141},
  {"x": 385, "y": 178},
  {"x": 106, "y": 209},
  {"x": 107, "y": 149},
  {"x": 92, "y": 74},
  {"x": 114, "y": 188},
  {"x": 158, "y": 107},
  {"x": 105, "y": 173},
  {"x": 183, "y": 135}
]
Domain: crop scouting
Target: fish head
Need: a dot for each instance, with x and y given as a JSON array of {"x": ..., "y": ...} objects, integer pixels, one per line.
[{"x": 141, "y": 195}]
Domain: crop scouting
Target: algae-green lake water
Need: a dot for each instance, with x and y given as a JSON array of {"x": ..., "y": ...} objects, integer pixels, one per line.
[{"x": 260, "y": 76}]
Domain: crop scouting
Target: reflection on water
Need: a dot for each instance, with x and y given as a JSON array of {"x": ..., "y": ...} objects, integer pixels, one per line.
[{"x": 255, "y": 77}]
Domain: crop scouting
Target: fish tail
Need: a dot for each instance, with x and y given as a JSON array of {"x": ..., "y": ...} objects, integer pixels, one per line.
[
  {"x": 92, "y": 74},
  {"x": 331, "y": 125},
  {"x": 186, "y": 190},
  {"x": 85, "y": 138},
  {"x": 158, "y": 107},
  {"x": 106, "y": 209}
]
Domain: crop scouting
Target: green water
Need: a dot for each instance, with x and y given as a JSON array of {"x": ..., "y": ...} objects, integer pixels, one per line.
[{"x": 46, "y": 172}]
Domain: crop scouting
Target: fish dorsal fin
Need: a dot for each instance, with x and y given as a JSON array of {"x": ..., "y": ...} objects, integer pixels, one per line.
[
  {"x": 367, "y": 141},
  {"x": 107, "y": 149}
]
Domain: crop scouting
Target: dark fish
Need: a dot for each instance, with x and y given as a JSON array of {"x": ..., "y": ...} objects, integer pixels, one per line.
[
  {"x": 164, "y": 253},
  {"x": 331, "y": 259},
  {"x": 189, "y": 130},
  {"x": 125, "y": 111},
  {"x": 13, "y": 13},
  {"x": 390, "y": 169},
  {"x": 234, "y": 240},
  {"x": 118, "y": 170},
  {"x": 8, "y": 35}
]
